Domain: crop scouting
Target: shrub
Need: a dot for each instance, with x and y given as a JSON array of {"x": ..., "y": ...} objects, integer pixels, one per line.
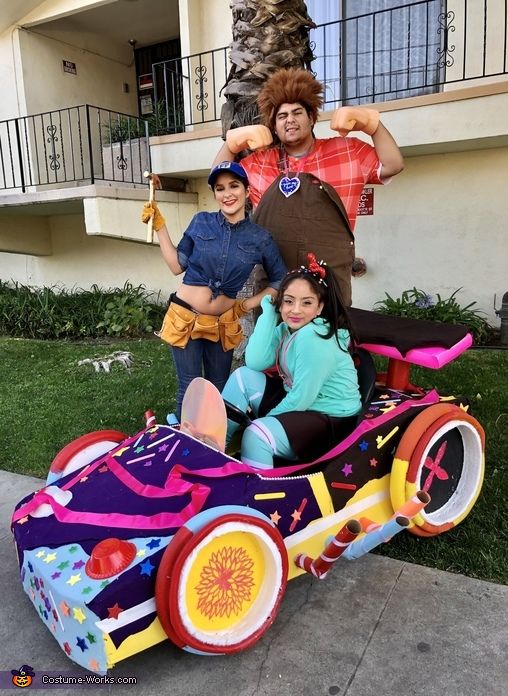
[
  {"x": 121, "y": 128},
  {"x": 51, "y": 312},
  {"x": 417, "y": 304}
]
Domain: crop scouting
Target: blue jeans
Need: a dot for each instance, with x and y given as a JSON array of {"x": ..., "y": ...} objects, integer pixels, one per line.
[{"x": 200, "y": 358}]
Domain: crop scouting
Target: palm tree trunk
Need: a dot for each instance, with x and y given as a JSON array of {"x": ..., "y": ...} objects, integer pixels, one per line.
[{"x": 267, "y": 35}]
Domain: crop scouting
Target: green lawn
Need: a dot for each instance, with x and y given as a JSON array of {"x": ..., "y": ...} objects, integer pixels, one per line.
[{"x": 47, "y": 400}]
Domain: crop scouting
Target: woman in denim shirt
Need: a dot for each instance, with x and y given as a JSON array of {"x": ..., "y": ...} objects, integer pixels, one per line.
[{"x": 216, "y": 254}]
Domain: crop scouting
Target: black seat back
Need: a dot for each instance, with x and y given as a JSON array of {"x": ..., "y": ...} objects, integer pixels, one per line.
[{"x": 366, "y": 371}]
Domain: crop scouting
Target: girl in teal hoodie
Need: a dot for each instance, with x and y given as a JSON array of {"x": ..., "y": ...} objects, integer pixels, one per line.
[{"x": 312, "y": 400}]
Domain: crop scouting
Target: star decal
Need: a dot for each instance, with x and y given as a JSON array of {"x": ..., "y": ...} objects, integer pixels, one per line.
[
  {"x": 163, "y": 447},
  {"x": 73, "y": 549},
  {"x": 86, "y": 590},
  {"x": 40, "y": 554},
  {"x": 83, "y": 479},
  {"x": 66, "y": 610},
  {"x": 79, "y": 614},
  {"x": 94, "y": 665},
  {"x": 79, "y": 564},
  {"x": 67, "y": 648},
  {"x": 63, "y": 565},
  {"x": 103, "y": 469},
  {"x": 141, "y": 552},
  {"x": 22, "y": 520},
  {"x": 296, "y": 515},
  {"x": 114, "y": 611},
  {"x": 104, "y": 584},
  {"x": 275, "y": 517},
  {"x": 373, "y": 461},
  {"x": 147, "y": 567},
  {"x": 347, "y": 469},
  {"x": 364, "y": 445},
  {"x": 389, "y": 407},
  {"x": 50, "y": 557},
  {"x": 139, "y": 449},
  {"x": 154, "y": 544},
  {"x": 30, "y": 567},
  {"x": 91, "y": 638},
  {"x": 120, "y": 451},
  {"x": 186, "y": 452},
  {"x": 80, "y": 642},
  {"x": 74, "y": 579}
]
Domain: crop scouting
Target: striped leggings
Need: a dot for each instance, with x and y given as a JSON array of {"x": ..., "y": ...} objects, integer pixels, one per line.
[{"x": 265, "y": 437}]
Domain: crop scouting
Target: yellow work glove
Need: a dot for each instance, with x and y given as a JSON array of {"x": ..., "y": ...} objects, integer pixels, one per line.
[
  {"x": 150, "y": 210},
  {"x": 351, "y": 118},
  {"x": 251, "y": 137}
]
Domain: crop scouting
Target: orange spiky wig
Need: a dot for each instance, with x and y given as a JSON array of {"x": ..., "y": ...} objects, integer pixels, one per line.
[{"x": 289, "y": 86}]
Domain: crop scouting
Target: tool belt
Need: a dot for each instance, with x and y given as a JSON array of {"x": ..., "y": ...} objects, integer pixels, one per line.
[{"x": 182, "y": 323}]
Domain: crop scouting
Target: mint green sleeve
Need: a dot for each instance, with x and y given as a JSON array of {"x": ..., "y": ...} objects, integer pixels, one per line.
[
  {"x": 263, "y": 343},
  {"x": 315, "y": 361}
]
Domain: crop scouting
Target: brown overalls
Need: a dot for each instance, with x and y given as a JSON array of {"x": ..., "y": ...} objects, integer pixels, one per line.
[{"x": 313, "y": 219}]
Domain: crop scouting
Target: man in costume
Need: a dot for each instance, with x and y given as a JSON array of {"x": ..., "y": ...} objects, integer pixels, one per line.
[{"x": 306, "y": 190}]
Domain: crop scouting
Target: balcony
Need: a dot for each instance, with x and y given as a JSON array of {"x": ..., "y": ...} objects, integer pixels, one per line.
[
  {"x": 392, "y": 54},
  {"x": 389, "y": 55},
  {"x": 80, "y": 145}
]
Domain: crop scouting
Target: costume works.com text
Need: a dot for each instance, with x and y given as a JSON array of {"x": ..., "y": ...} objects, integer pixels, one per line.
[{"x": 85, "y": 680}]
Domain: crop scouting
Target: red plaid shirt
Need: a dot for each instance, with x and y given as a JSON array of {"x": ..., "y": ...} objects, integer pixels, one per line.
[{"x": 347, "y": 164}]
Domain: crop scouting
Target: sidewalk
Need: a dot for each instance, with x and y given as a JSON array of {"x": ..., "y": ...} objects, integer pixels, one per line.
[{"x": 374, "y": 627}]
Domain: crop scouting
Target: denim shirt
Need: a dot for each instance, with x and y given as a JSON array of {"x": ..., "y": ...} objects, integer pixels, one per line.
[{"x": 221, "y": 255}]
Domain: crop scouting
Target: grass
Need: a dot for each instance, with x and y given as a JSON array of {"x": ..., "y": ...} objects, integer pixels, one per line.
[{"x": 47, "y": 400}]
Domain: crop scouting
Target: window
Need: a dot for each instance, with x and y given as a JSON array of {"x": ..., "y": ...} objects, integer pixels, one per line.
[{"x": 376, "y": 50}]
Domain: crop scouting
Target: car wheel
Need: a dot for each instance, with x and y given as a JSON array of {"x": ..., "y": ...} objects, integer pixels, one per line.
[
  {"x": 219, "y": 589},
  {"x": 83, "y": 451},
  {"x": 441, "y": 453}
]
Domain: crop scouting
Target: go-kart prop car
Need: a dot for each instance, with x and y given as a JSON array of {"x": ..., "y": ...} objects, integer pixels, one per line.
[{"x": 161, "y": 534}]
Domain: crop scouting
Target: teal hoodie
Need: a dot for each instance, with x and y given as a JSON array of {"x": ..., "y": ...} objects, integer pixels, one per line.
[{"x": 320, "y": 375}]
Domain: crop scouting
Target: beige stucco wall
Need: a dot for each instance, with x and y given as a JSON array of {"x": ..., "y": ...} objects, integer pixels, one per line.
[
  {"x": 80, "y": 261},
  {"x": 55, "y": 9},
  {"x": 440, "y": 225},
  {"x": 204, "y": 25},
  {"x": 48, "y": 87},
  {"x": 12, "y": 103}
]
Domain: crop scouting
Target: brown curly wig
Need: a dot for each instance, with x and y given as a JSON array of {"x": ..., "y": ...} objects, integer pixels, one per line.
[{"x": 289, "y": 86}]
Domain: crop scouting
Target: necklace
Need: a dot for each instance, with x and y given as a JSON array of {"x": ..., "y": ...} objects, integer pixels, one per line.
[{"x": 290, "y": 184}]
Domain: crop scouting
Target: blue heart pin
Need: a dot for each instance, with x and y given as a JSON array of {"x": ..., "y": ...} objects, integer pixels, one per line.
[{"x": 288, "y": 186}]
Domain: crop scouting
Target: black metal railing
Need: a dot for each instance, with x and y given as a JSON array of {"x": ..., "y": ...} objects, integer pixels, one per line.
[
  {"x": 77, "y": 144},
  {"x": 187, "y": 90},
  {"x": 394, "y": 53}
]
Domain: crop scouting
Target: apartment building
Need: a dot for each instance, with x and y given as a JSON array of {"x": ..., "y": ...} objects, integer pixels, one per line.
[{"x": 96, "y": 91}]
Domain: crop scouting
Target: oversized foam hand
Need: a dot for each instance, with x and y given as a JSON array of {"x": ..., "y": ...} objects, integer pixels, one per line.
[
  {"x": 354, "y": 118},
  {"x": 251, "y": 137}
]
